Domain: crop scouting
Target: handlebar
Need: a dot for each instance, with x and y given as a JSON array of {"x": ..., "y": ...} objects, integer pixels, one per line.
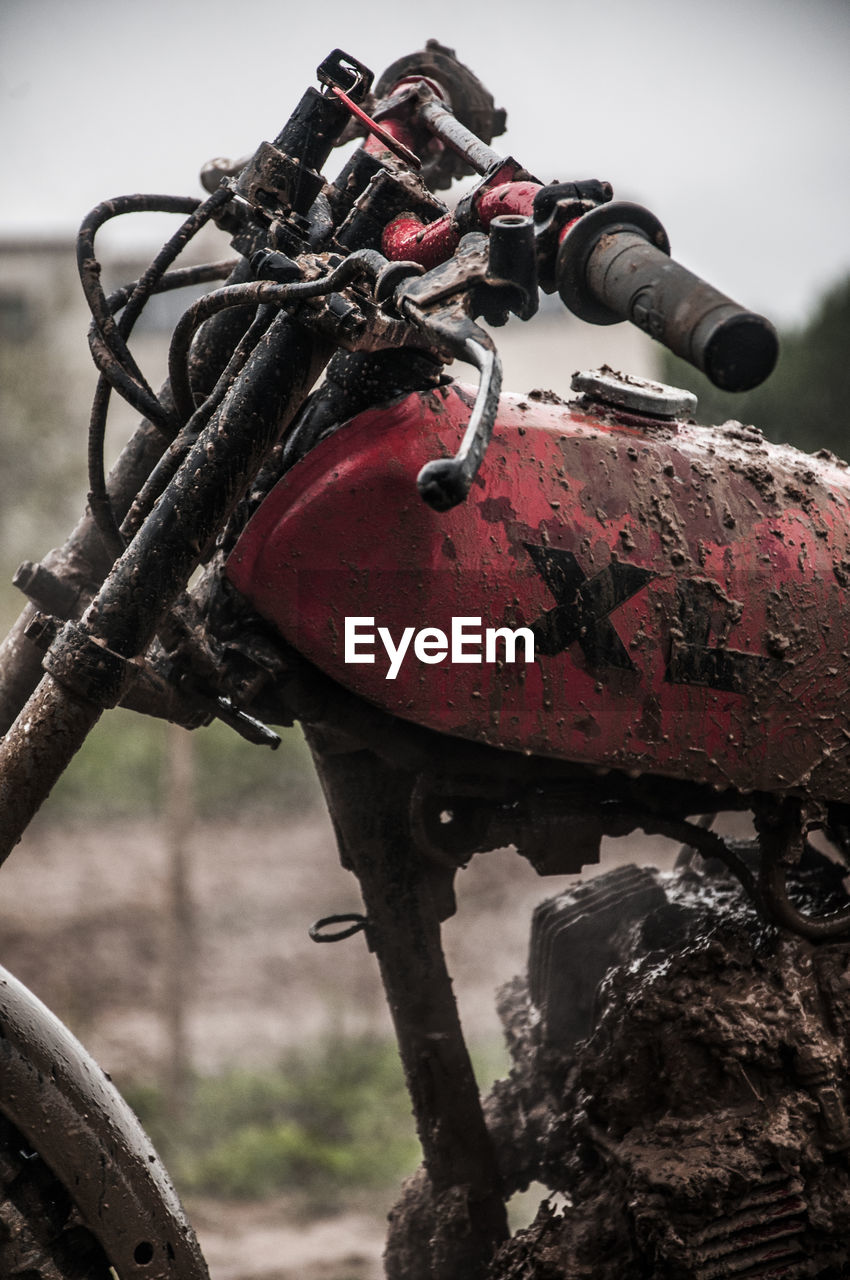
[{"x": 614, "y": 264}]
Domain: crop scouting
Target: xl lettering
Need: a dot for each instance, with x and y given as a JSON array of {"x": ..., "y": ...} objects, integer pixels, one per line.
[
  {"x": 582, "y": 616},
  {"x": 694, "y": 660},
  {"x": 584, "y": 605}
]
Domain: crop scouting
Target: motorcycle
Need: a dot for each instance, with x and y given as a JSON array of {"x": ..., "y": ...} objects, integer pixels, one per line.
[{"x": 499, "y": 620}]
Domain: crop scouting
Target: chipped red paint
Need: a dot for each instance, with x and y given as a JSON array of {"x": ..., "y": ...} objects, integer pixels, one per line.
[
  {"x": 408, "y": 239},
  {"x": 509, "y": 197},
  {"x": 703, "y": 619},
  {"x": 397, "y": 130}
]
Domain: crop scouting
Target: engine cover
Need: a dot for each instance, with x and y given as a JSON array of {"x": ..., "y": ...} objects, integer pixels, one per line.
[{"x": 686, "y": 587}]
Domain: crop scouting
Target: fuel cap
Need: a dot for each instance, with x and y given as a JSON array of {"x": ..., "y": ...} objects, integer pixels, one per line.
[{"x": 638, "y": 395}]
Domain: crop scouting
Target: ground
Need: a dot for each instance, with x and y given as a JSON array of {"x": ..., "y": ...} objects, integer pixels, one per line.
[{"x": 84, "y": 924}]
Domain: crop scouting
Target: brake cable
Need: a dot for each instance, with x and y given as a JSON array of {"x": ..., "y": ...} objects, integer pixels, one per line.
[
  {"x": 109, "y": 346},
  {"x": 148, "y": 283},
  {"x": 98, "y": 496},
  {"x": 366, "y": 262}
]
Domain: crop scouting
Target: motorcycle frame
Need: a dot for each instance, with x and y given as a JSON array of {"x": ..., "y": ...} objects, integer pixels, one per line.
[
  {"x": 370, "y": 765},
  {"x": 374, "y": 769}
]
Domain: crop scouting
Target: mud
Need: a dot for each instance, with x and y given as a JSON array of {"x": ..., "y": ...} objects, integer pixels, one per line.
[
  {"x": 699, "y": 1130},
  {"x": 706, "y": 1089},
  {"x": 543, "y": 396}
]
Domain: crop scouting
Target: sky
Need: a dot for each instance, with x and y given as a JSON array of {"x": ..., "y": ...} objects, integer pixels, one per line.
[{"x": 728, "y": 118}]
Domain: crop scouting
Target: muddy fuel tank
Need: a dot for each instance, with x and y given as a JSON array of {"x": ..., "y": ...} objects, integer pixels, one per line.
[{"x": 685, "y": 587}]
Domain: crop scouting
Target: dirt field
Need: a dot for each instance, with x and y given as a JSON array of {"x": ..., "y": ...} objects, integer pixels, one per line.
[{"x": 83, "y": 923}]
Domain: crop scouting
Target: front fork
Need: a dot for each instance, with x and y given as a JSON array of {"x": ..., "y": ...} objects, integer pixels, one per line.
[
  {"x": 370, "y": 807},
  {"x": 91, "y": 663},
  {"x": 88, "y": 669}
]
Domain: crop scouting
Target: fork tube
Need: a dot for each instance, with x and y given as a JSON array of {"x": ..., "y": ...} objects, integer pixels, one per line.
[
  {"x": 81, "y": 564},
  {"x": 124, "y": 616}
]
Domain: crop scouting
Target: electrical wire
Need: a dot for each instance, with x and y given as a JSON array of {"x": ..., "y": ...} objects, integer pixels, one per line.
[
  {"x": 117, "y": 357},
  {"x": 253, "y": 293},
  {"x": 110, "y": 349}
]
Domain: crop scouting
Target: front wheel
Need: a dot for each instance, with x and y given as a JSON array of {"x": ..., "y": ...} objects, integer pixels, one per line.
[
  {"x": 76, "y": 1167},
  {"x": 42, "y": 1236}
]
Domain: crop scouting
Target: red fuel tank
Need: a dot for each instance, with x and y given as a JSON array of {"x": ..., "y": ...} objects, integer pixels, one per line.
[{"x": 685, "y": 588}]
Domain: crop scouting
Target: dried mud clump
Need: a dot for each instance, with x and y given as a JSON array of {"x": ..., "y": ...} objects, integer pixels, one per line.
[
  {"x": 679, "y": 1084},
  {"x": 688, "y": 1105},
  {"x": 695, "y": 1125}
]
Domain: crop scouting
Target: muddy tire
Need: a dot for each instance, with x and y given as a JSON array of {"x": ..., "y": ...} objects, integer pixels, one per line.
[{"x": 42, "y": 1236}]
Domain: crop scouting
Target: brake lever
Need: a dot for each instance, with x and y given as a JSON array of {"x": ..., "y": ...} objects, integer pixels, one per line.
[
  {"x": 441, "y": 304},
  {"x": 443, "y": 483}
]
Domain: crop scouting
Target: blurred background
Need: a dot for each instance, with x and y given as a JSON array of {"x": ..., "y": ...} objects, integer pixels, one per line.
[{"x": 160, "y": 903}]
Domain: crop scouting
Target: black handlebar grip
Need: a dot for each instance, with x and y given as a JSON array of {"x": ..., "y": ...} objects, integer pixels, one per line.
[{"x": 614, "y": 264}]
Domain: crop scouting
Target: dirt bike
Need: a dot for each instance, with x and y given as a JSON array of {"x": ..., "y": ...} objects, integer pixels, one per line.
[{"x": 499, "y": 620}]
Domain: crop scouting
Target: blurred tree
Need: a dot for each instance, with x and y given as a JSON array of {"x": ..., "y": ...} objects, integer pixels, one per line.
[
  {"x": 42, "y": 459},
  {"x": 46, "y": 386},
  {"x": 806, "y": 401}
]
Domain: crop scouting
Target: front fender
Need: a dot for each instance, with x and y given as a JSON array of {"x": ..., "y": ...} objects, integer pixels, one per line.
[{"x": 71, "y": 1113}]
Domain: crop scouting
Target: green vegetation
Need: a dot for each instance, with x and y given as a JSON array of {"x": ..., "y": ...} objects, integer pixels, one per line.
[
  {"x": 121, "y": 772},
  {"x": 325, "y": 1121},
  {"x": 42, "y": 461},
  {"x": 806, "y": 401},
  {"x": 328, "y": 1120}
]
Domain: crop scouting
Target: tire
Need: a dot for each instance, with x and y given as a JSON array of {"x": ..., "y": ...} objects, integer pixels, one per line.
[
  {"x": 42, "y": 1236},
  {"x": 83, "y": 1194}
]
